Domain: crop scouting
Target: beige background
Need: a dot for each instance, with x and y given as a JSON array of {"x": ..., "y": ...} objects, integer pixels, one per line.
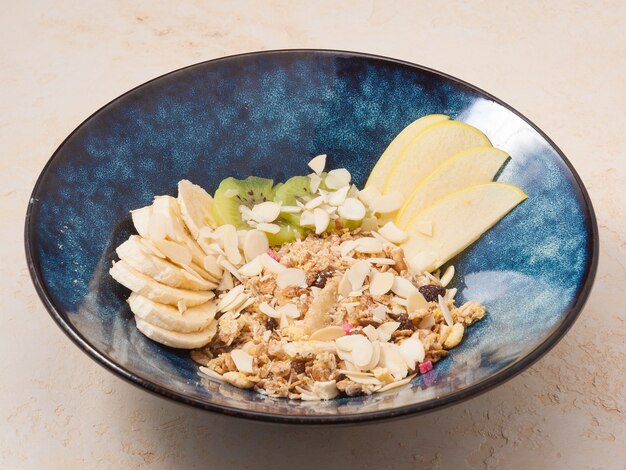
[{"x": 562, "y": 64}]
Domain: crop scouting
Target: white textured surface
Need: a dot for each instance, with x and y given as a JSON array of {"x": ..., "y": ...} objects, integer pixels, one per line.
[{"x": 561, "y": 64}]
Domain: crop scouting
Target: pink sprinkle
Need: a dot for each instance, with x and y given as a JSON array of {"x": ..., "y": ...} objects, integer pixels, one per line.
[
  {"x": 273, "y": 254},
  {"x": 347, "y": 327},
  {"x": 425, "y": 367}
]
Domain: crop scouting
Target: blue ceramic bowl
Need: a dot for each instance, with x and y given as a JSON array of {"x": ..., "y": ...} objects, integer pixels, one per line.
[{"x": 267, "y": 114}]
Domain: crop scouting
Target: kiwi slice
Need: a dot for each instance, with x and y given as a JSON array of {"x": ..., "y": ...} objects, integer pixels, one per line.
[
  {"x": 233, "y": 193},
  {"x": 297, "y": 188},
  {"x": 288, "y": 232}
]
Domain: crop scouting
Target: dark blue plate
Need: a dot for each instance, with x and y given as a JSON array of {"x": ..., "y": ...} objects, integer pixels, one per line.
[{"x": 267, "y": 114}]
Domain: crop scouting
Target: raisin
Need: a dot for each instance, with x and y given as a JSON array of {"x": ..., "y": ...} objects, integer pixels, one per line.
[
  {"x": 271, "y": 324},
  {"x": 298, "y": 366},
  {"x": 321, "y": 278},
  {"x": 431, "y": 292},
  {"x": 405, "y": 323}
]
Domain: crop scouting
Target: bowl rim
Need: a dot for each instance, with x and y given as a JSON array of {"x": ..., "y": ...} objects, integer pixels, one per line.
[{"x": 473, "y": 390}]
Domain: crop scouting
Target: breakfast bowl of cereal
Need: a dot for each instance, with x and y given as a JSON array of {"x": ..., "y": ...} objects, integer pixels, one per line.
[{"x": 311, "y": 237}]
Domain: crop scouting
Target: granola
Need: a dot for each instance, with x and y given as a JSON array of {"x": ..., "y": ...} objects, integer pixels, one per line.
[{"x": 330, "y": 336}]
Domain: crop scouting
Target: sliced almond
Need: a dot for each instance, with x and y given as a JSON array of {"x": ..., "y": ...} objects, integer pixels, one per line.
[
  {"x": 243, "y": 361},
  {"x": 267, "y": 212},
  {"x": 315, "y": 182},
  {"x": 271, "y": 265},
  {"x": 415, "y": 301},
  {"x": 338, "y": 178},
  {"x": 362, "y": 352},
  {"x": 445, "y": 311},
  {"x": 317, "y": 164},
  {"x": 345, "y": 286},
  {"x": 346, "y": 247},
  {"x": 228, "y": 266},
  {"x": 253, "y": 268},
  {"x": 380, "y": 312},
  {"x": 325, "y": 390},
  {"x": 313, "y": 203},
  {"x": 385, "y": 330},
  {"x": 368, "y": 195},
  {"x": 371, "y": 332},
  {"x": 393, "y": 233},
  {"x": 269, "y": 228},
  {"x": 363, "y": 380},
  {"x": 375, "y": 359},
  {"x": 450, "y": 294},
  {"x": 328, "y": 333},
  {"x": 229, "y": 298},
  {"x": 228, "y": 237},
  {"x": 226, "y": 282},
  {"x": 368, "y": 245},
  {"x": 403, "y": 287},
  {"x": 210, "y": 373},
  {"x": 396, "y": 384},
  {"x": 290, "y": 209},
  {"x": 380, "y": 283},
  {"x": 307, "y": 219},
  {"x": 352, "y": 371},
  {"x": 412, "y": 351},
  {"x": 352, "y": 209},
  {"x": 381, "y": 261},
  {"x": 387, "y": 203},
  {"x": 393, "y": 361},
  {"x": 256, "y": 244},
  {"x": 265, "y": 308},
  {"x": 357, "y": 274},
  {"x": 337, "y": 198},
  {"x": 321, "y": 219},
  {"x": 291, "y": 277},
  {"x": 176, "y": 252},
  {"x": 290, "y": 310},
  {"x": 447, "y": 276}
]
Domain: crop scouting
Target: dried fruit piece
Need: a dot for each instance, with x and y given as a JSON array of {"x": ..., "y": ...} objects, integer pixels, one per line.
[
  {"x": 321, "y": 278},
  {"x": 432, "y": 292}
]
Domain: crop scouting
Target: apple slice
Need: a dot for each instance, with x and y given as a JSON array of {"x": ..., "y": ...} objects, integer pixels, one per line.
[
  {"x": 383, "y": 166},
  {"x": 458, "y": 220},
  {"x": 429, "y": 149},
  {"x": 466, "y": 168}
]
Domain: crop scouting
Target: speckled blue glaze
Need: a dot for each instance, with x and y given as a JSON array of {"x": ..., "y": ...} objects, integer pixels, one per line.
[{"x": 267, "y": 114}]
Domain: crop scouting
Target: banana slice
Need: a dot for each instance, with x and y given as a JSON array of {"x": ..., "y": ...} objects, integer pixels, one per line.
[
  {"x": 175, "y": 339},
  {"x": 195, "y": 207},
  {"x": 169, "y": 318},
  {"x": 123, "y": 273},
  {"x": 140, "y": 258}
]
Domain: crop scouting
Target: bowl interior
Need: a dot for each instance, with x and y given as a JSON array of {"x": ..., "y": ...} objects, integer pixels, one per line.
[{"x": 267, "y": 114}]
